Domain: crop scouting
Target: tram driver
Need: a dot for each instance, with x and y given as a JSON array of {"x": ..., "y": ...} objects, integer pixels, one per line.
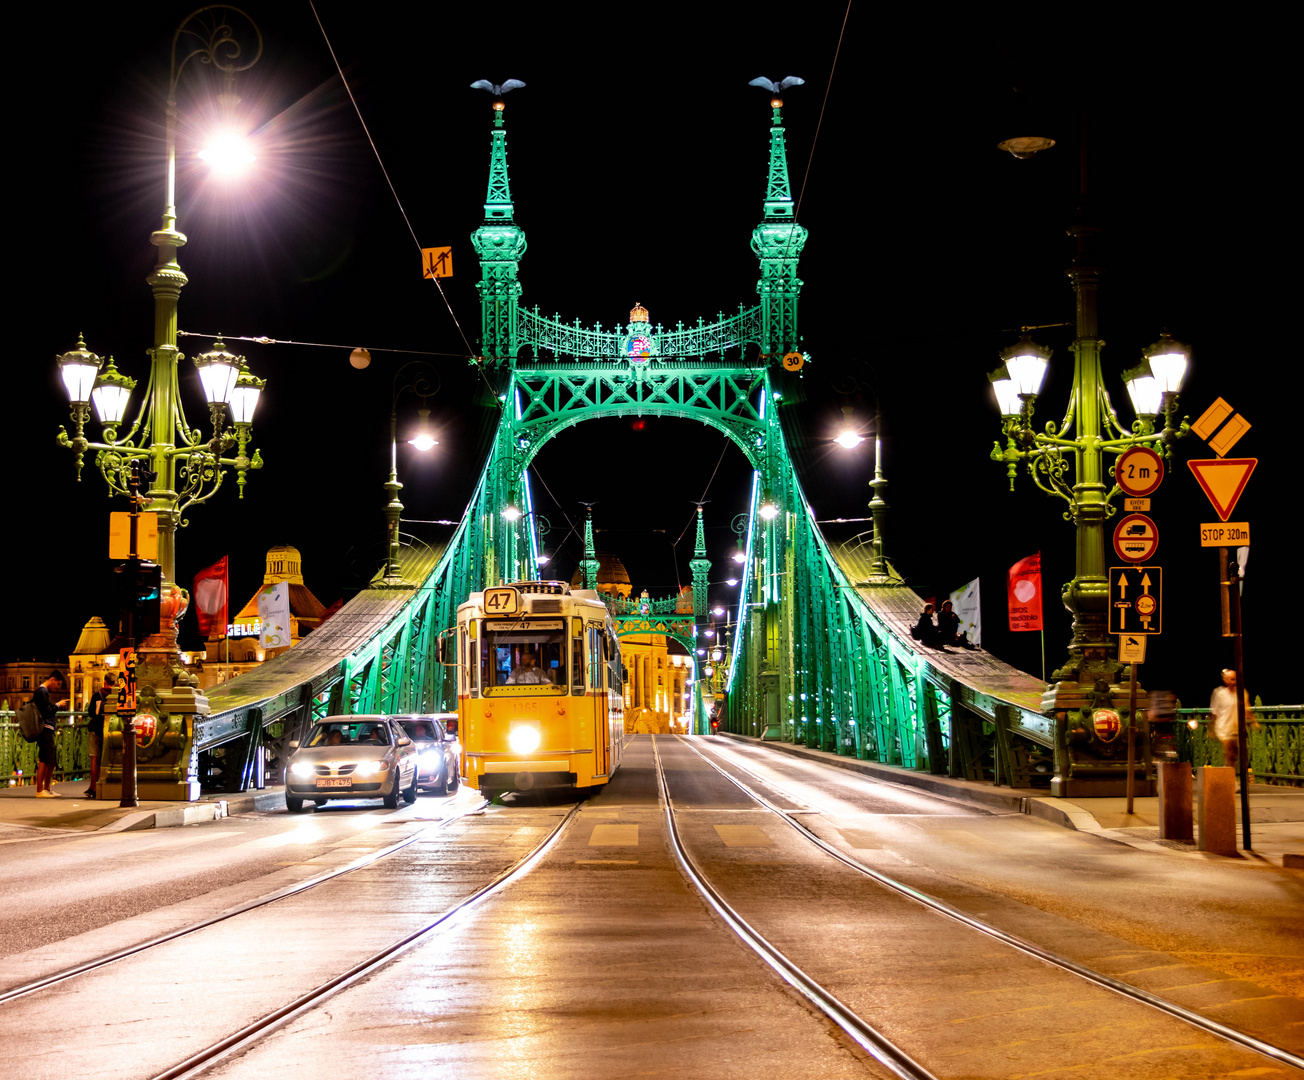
[{"x": 528, "y": 672}]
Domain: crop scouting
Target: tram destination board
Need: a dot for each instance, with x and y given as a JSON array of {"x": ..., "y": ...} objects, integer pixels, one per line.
[{"x": 1136, "y": 599}]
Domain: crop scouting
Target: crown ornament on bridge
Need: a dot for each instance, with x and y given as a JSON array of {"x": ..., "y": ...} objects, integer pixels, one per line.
[{"x": 638, "y": 313}]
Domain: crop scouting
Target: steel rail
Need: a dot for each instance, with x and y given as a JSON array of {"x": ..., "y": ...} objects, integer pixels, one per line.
[
  {"x": 863, "y": 1033},
  {"x": 45, "y": 981},
  {"x": 252, "y": 1032},
  {"x": 1222, "y": 1031}
]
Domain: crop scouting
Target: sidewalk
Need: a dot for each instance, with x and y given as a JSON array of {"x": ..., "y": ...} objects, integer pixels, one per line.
[
  {"x": 21, "y": 810},
  {"x": 1276, "y": 813}
]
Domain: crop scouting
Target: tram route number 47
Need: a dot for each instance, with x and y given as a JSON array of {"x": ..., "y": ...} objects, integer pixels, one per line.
[
  {"x": 1136, "y": 599},
  {"x": 502, "y": 601}
]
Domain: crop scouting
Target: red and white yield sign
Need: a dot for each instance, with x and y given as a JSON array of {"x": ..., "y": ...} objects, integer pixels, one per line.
[
  {"x": 1136, "y": 538},
  {"x": 1139, "y": 471}
]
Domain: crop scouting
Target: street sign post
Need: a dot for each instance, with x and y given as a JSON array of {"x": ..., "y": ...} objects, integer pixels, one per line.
[
  {"x": 1136, "y": 538},
  {"x": 1136, "y": 599},
  {"x": 1132, "y": 648}
]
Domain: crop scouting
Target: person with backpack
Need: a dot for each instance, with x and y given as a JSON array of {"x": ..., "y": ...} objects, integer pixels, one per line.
[
  {"x": 95, "y": 729},
  {"x": 45, "y": 753}
]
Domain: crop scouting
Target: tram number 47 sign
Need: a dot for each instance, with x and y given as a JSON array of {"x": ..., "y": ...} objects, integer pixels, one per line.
[
  {"x": 1136, "y": 599},
  {"x": 502, "y": 601}
]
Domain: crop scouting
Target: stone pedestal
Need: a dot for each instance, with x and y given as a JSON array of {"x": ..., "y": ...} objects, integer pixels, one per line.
[
  {"x": 166, "y": 765},
  {"x": 1216, "y": 809},
  {"x": 1175, "y": 820}
]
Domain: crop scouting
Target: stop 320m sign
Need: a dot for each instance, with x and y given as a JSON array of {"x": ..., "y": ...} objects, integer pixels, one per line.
[{"x": 1139, "y": 471}]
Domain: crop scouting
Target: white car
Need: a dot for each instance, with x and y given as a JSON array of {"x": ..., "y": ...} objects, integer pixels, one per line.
[
  {"x": 439, "y": 754},
  {"x": 352, "y": 757}
]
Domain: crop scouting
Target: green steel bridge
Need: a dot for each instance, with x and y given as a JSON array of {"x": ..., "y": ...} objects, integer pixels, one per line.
[{"x": 821, "y": 652}]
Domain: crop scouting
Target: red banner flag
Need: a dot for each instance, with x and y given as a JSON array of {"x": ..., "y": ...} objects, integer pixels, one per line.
[
  {"x": 1024, "y": 585},
  {"x": 211, "y": 592}
]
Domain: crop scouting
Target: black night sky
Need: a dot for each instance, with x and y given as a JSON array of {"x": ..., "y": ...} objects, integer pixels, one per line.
[{"x": 638, "y": 161}]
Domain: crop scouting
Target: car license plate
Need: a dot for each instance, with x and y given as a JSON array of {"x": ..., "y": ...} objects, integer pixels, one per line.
[{"x": 342, "y": 781}]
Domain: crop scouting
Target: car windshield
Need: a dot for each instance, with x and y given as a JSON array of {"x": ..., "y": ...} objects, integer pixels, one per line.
[
  {"x": 419, "y": 730},
  {"x": 348, "y": 733}
]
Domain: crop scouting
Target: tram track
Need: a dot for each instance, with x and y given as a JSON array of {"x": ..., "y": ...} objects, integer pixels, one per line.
[
  {"x": 46, "y": 981},
  {"x": 248, "y": 1035},
  {"x": 1028, "y": 948},
  {"x": 857, "y": 1028}
]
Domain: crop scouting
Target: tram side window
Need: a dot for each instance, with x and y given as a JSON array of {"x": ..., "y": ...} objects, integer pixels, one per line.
[
  {"x": 595, "y": 658},
  {"x": 468, "y": 660},
  {"x": 577, "y": 654}
]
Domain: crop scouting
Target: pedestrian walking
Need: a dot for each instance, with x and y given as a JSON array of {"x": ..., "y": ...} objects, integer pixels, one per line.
[
  {"x": 45, "y": 753},
  {"x": 1222, "y": 717},
  {"x": 95, "y": 729}
]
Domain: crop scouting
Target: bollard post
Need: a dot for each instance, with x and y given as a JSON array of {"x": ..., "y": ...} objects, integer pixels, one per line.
[
  {"x": 1216, "y": 809},
  {"x": 1175, "y": 821}
]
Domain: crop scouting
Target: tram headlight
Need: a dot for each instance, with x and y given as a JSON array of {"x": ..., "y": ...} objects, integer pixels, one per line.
[{"x": 523, "y": 739}]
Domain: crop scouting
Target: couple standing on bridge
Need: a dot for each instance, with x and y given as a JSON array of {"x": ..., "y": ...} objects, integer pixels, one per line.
[{"x": 945, "y": 631}]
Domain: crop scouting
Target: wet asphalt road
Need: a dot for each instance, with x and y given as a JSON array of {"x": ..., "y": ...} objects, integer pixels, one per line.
[{"x": 603, "y": 960}]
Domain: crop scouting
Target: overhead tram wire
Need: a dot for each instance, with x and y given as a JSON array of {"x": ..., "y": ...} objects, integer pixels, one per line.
[
  {"x": 394, "y": 191},
  {"x": 264, "y": 340},
  {"x": 823, "y": 105}
]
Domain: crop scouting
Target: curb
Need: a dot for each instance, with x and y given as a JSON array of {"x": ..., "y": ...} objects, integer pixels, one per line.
[{"x": 197, "y": 812}]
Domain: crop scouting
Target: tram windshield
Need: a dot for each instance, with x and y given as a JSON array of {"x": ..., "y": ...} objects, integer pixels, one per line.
[{"x": 523, "y": 654}]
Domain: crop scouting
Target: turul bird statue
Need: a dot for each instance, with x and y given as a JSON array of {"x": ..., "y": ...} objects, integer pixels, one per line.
[
  {"x": 495, "y": 89},
  {"x": 776, "y": 88}
]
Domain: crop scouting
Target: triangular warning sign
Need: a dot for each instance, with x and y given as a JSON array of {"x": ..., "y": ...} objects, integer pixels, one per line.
[{"x": 1223, "y": 480}]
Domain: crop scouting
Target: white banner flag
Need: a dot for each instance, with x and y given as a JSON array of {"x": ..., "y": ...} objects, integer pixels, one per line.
[
  {"x": 274, "y": 613},
  {"x": 965, "y": 602}
]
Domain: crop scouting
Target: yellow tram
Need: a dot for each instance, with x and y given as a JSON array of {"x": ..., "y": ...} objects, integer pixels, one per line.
[{"x": 539, "y": 690}]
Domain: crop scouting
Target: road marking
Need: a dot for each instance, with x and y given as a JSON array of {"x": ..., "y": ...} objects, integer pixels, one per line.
[
  {"x": 614, "y": 836},
  {"x": 743, "y": 836}
]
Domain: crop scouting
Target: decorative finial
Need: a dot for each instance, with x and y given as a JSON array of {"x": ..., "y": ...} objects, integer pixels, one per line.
[
  {"x": 498, "y": 90},
  {"x": 638, "y": 313}
]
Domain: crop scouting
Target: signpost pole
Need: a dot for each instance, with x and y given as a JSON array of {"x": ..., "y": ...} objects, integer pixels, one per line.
[
  {"x": 1234, "y": 588},
  {"x": 1131, "y": 738},
  {"x": 127, "y": 722}
]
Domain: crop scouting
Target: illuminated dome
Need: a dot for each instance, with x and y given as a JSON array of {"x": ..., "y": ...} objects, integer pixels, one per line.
[
  {"x": 94, "y": 638},
  {"x": 284, "y": 563},
  {"x": 612, "y": 576}
]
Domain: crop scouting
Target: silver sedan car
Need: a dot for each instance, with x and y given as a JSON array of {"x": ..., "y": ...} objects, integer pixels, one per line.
[{"x": 352, "y": 757}]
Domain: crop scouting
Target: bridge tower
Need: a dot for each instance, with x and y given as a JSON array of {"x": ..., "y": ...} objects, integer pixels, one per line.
[
  {"x": 589, "y": 565},
  {"x": 499, "y": 243},
  {"x": 701, "y": 567},
  {"x": 777, "y": 241}
]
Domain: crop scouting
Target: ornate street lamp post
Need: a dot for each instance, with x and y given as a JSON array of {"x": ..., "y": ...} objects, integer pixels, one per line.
[
  {"x": 422, "y": 382},
  {"x": 1089, "y": 434},
  {"x": 187, "y": 468}
]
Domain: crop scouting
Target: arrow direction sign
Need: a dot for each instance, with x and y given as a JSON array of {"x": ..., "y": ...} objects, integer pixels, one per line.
[
  {"x": 1136, "y": 599},
  {"x": 436, "y": 262},
  {"x": 1223, "y": 480}
]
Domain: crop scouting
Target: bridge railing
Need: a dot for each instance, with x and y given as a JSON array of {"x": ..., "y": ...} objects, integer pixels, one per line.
[
  {"x": 1276, "y": 750},
  {"x": 18, "y": 756}
]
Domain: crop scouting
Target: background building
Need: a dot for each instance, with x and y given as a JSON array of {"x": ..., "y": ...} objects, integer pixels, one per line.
[{"x": 238, "y": 650}]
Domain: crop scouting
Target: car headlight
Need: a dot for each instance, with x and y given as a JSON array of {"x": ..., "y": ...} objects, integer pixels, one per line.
[
  {"x": 523, "y": 740},
  {"x": 369, "y": 768},
  {"x": 429, "y": 759},
  {"x": 301, "y": 769}
]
